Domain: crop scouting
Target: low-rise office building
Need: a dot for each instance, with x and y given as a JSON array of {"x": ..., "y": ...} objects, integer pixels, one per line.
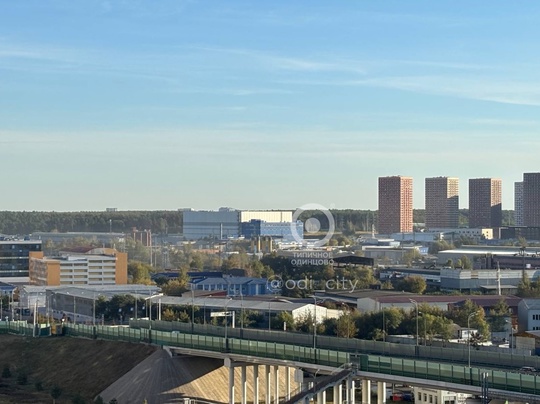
[
  {"x": 98, "y": 266},
  {"x": 14, "y": 256},
  {"x": 423, "y": 395},
  {"x": 231, "y": 285}
]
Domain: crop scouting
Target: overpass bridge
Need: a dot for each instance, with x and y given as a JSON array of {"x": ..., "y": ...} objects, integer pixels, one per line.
[{"x": 361, "y": 365}]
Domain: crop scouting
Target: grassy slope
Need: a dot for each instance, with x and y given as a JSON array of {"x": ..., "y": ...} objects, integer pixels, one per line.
[{"x": 78, "y": 366}]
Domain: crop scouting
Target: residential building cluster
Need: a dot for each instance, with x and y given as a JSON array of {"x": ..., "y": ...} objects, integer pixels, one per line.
[{"x": 442, "y": 203}]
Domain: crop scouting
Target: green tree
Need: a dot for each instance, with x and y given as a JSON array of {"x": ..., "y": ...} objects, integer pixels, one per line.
[
  {"x": 442, "y": 327},
  {"x": 466, "y": 262},
  {"x": 286, "y": 318},
  {"x": 168, "y": 315},
  {"x": 473, "y": 315},
  {"x": 175, "y": 287},
  {"x": 413, "y": 284},
  {"x": 140, "y": 272},
  {"x": 498, "y": 316},
  {"x": 410, "y": 256},
  {"x": 346, "y": 326}
]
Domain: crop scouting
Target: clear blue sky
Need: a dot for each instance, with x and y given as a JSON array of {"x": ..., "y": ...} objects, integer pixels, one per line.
[{"x": 275, "y": 104}]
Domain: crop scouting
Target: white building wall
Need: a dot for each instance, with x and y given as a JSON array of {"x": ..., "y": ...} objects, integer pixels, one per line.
[
  {"x": 432, "y": 396},
  {"x": 266, "y": 215}
]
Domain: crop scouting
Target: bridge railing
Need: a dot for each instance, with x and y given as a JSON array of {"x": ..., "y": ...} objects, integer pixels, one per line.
[
  {"x": 387, "y": 365},
  {"x": 509, "y": 381},
  {"x": 24, "y": 328},
  {"x": 441, "y": 354}
]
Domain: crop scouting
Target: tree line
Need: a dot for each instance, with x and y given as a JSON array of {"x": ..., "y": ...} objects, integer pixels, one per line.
[
  {"x": 347, "y": 221},
  {"x": 432, "y": 322},
  {"x": 22, "y": 223}
]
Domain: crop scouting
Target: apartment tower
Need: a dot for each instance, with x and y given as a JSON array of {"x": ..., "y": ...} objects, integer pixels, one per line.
[
  {"x": 531, "y": 199},
  {"x": 485, "y": 202},
  {"x": 395, "y": 204},
  {"x": 518, "y": 203},
  {"x": 442, "y": 203}
]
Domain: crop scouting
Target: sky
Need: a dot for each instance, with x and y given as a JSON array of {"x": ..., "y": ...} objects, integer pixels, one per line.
[{"x": 261, "y": 105}]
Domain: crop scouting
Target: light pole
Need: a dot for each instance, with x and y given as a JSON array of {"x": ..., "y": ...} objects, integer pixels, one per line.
[
  {"x": 416, "y": 305},
  {"x": 149, "y": 298},
  {"x": 314, "y": 322},
  {"x": 469, "y": 335},
  {"x": 74, "y": 308},
  {"x": 383, "y": 325},
  {"x": 241, "y": 310},
  {"x": 192, "y": 308},
  {"x": 226, "y": 321},
  {"x": 94, "y": 308},
  {"x": 269, "y": 302},
  {"x": 425, "y": 329},
  {"x": 35, "y": 318},
  {"x": 511, "y": 335}
]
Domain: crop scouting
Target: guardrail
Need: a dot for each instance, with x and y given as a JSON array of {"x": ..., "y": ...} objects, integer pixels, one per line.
[
  {"x": 439, "y": 354},
  {"x": 414, "y": 368}
]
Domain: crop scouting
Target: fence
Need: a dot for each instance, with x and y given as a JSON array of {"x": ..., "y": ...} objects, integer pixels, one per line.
[
  {"x": 437, "y": 353},
  {"x": 388, "y": 365}
]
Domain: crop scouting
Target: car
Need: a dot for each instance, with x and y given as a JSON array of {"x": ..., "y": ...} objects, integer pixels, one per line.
[{"x": 527, "y": 369}]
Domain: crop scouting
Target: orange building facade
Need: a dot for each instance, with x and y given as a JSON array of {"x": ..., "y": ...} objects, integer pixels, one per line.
[{"x": 99, "y": 266}]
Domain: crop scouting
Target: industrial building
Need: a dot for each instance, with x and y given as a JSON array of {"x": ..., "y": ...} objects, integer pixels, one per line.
[
  {"x": 227, "y": 223},
  {"x": 229, "y": 285},
  {"x": 286, "y": 231},
  {"x": 56, "y": 237},
  {"x": 98, "y": 266}
]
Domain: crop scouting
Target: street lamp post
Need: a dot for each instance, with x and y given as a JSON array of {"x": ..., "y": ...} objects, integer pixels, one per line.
[
  {"x": 469, "y": 335},
  {"x": 94, "y": 307},
  {"x": 511, "y": 336},
  {"x": 416, "y": 305},
  {"x": 192, "y": 307},
  {"x": 384, "y": 326},
  {"x": 269, "y": 315},
  {"x": 314, "y": 322},
  {"x": 226, "y": 321},
  {"x": 241, "y": 310},
  {"x": 425, "y": 328},
  {"x": 136, "y": 297}
]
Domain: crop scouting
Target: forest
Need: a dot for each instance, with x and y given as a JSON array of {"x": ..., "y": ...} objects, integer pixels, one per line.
[{"x": 347, "y": 221}]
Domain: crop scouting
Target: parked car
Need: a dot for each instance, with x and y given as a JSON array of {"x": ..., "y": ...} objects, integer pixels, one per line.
[{"x": 527, "y": 369}]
